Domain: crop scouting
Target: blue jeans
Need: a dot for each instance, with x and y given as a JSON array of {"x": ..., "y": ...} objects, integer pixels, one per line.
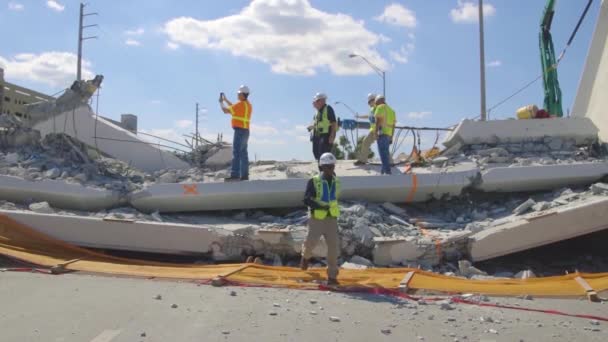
[
  {"x": 240, "y": 157},
  {"x": 384, "y": 142}
]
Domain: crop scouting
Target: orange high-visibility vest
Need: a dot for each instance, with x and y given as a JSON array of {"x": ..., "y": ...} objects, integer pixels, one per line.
[{"x": 241, "y": 114}]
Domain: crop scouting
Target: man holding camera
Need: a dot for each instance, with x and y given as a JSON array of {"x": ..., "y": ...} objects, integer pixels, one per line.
[{"x": 241, "y": 117}]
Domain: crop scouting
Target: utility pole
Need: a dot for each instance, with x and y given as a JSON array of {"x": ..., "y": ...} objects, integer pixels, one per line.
[
  {"x": 81, "y": 28},
  {"x": 482, "y": 63},
  {"x": 196, "y": 128}
]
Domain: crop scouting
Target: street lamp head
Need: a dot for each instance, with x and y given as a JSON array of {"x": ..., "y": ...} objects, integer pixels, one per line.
[{"x": 352, "y": 55}]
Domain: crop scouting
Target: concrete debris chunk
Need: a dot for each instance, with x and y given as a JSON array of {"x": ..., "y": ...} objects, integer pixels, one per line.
[
  {"x": 11, "y": 158},
  {"x": 468, "y": 270},
  {"x": 173, "y": 306},
  {"x": 356, "y": 259},
  {"x": 273, "y": 313},
  {"x": 393, "y": 209},
  {"x": 386, "y": 331},
  {"x": 522, "y": 208},
  {"x": 525, "y": 274},
  {"x": 594, "y": 322},
  {"x": 334, "y": 318},
  {"x": 158, "y": 297},
  {"x": 41, "y": 208},
  {"x": 313, "y": 301},
  {"x": 52, "y": 173},
  {"x": 599, "y": 188},
  {"x": 540, "y": 206}
]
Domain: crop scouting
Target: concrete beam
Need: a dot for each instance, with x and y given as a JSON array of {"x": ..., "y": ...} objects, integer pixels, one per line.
[
  {"x": 540, "y": 177},
  {"x": 591, "y": 101},
  {"x": 286, "y": 193},
  {"x": 111, "y": 140},
  {"x": 542, "y": 228},
  {"x": 470, "y": 132},
  {"x": 154, "y": 237},
  {"x": 58, "y": 194}
]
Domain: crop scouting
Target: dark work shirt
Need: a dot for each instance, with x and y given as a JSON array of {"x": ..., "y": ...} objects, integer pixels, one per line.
[
  {"x": 331, "y": 116},
  {"x": 311, "y": 194}
]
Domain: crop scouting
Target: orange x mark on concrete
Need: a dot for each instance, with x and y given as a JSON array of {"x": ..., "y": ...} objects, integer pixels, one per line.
[{"x": 190, "y": 189}]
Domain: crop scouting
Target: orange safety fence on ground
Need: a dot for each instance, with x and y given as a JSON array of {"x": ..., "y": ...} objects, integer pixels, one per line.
[{"x": 23, "y": 243}]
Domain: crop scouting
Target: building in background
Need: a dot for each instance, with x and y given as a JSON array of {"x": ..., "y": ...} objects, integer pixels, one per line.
[{"x": 14, "y": 98}]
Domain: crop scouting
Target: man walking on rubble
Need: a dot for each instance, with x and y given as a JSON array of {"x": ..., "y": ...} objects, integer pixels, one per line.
[
  {"x": 385, "y": 126},
  {"x": 321, "y": 196},
  {"x": 324, "y": 126},
  {"x": 241, "y": 117},
  {"x": 371, "y": 136}
]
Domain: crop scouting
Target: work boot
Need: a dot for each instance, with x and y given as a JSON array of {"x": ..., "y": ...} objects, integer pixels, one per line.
[
  {"x": 359, "y": 163},
  {"x": 304, "y": 264},
  {"x": 332, "y": 282},
  {"x": 245, "y": 178},
  {"x": 231, "y": 179}
]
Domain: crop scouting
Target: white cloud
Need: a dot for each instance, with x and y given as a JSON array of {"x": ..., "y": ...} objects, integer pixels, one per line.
[
  {"x": 132, "y": 42},
  {"x": 289, "y": 35},
  {"x": 135, "y": 32},
  {"x": 266, "y": 141},
  {"x": 402, "y": 56},
  {"x": 263, "y": 130},
  {"x": 398, "y": 15},
  {"x": 156, "y": 102},
  {"x": 172, "y": 46},
  {"x": 15, "y": 6},
  {"x": 184, "y": 123},
  {"x": 468, "y": 12},
  {"x": 55, "y": 5},
  {"x": 52, "y": 68},
  {"x": 418, "y": 115},
  {"x": 495, "y": 63}
]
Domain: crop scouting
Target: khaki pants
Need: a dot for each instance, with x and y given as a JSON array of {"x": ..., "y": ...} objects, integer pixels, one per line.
[
  {"x": 328, "y": 228},
  {"x": 365, "y": 146}
]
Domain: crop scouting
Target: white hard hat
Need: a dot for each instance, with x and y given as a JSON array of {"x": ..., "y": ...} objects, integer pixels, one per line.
[
  {"x": 243, "y": 89},
  {"x": 380, "y": 97},
  {"x": 371, "y": 96},
  {"x": 327, "y": 159},
  {"x": 319, "y": 96}
]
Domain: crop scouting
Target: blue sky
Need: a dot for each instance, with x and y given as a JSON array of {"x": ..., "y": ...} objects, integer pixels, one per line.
[{"x": 159, "y": 57}]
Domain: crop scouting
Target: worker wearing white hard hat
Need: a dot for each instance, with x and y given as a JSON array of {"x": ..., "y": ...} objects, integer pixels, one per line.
[
  {"x": 364, "y": 152},
  {"x": 324, "y": 126},
  {"x": 385, "y": 126},
  {"x": 321, "y": 196},
  {"x": 241, "y": 117}
]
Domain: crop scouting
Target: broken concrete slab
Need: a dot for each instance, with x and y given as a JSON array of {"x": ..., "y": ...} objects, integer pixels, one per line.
[
  {"x": 540, "y": 228},
  {"x": 540, "y": 177},
  {"x": 111, "y": 139},
  {"x": 286, "y": 193},
  {"x": 470, "y": 132},
  {"x": 58, "y": 194},
  {"x": 153, "y": 237},
  {"x": 392, "y": 251}
]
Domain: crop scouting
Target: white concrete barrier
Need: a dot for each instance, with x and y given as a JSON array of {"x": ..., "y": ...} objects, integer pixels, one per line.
[
  {"x": 58, "y": 194},
  {"x": 538, "y": 229},
  {"x": 470, "y": 132},
  {"x": 540, "y": 177},
  {"x": 111, "y": 140},
  {"x": 591, "y": 100},
  {"x": 285, "y": 193}
]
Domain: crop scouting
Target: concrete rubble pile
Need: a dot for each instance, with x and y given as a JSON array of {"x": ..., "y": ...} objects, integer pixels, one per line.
[{"x": 431, "y": 234}]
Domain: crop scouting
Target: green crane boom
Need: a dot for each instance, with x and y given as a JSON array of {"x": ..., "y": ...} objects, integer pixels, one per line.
[{"x": 553, "y": 94}]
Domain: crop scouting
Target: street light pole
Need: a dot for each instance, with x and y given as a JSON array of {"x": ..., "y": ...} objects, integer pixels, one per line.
[
  {"x": 482, "y": 64},
  {"x": 378, "y": 71}
]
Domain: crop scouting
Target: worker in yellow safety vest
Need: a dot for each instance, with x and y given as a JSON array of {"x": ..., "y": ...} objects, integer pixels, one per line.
[
  {"x": 385, "y": 126},
  {"x": 364, "y": 151},
  {"x": 324, "y": 127},
  {"x": 321, "y": 196},
  {"x": 241, "y": 117}
]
